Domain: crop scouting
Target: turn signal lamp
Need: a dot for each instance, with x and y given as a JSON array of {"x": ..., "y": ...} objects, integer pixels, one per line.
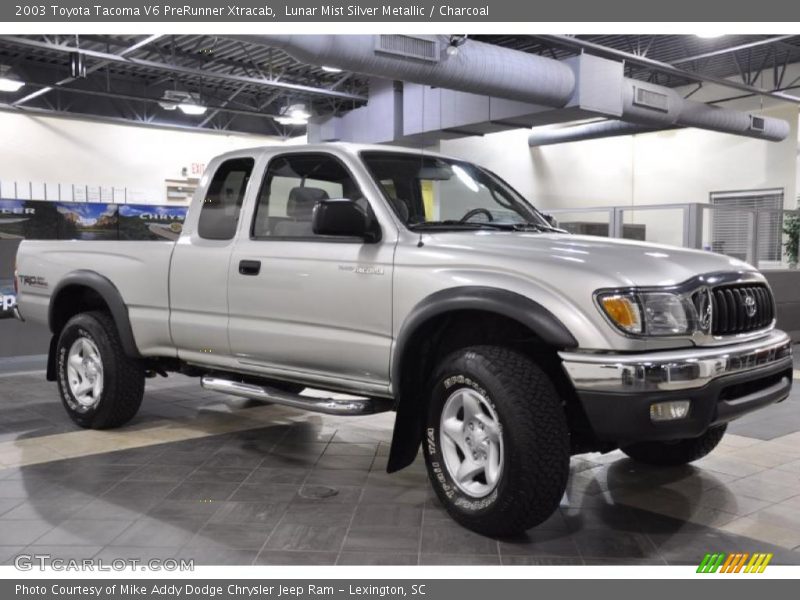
[{"x": 623, "y": 311}]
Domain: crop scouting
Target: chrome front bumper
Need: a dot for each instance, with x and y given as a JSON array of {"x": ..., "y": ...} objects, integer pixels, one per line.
[{"x": 674, "y": 369}]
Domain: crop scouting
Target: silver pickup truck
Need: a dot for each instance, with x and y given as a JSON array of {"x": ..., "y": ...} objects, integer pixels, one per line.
[{"x": 428, "y": 286}]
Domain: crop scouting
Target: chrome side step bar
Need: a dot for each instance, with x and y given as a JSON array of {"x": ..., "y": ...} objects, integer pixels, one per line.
[{"x": 328, "y": 406}]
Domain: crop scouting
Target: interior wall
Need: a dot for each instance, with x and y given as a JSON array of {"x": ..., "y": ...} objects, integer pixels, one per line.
[
  {"x": 668, "y": 167},
  {"x": 665, "y": 167},
  {"x": 67, "y": 150}
]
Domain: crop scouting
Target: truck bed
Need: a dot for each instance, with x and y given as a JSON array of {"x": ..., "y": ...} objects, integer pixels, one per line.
[{"x": 139, "y": 270}]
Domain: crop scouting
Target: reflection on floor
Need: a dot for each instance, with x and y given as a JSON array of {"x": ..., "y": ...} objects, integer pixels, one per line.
[{"x": 204, "y": 476}]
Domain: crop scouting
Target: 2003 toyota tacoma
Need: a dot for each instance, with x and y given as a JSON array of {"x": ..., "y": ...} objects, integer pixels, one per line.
[{"x": 428, "y": 286}]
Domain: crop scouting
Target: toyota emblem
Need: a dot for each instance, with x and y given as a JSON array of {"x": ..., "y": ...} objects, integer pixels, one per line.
[{"x": 750, "y": 306}]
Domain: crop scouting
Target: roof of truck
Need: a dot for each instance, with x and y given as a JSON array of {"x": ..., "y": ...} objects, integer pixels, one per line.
[{"x": 348, "y": 147}]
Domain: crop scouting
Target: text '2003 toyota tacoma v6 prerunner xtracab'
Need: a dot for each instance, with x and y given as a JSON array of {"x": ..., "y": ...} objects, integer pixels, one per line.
[{"x": 424, "y": 285}]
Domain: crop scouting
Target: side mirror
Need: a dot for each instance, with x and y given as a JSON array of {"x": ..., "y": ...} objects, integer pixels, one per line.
[{"x": 343, "y": 217}]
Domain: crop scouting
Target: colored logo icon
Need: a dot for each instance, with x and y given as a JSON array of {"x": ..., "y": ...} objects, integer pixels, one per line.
[{"x": 739, "y": 562}]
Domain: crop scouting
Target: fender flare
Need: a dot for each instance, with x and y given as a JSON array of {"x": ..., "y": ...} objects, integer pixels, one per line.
[
  {"x": 408, "y": 430},
  {"x": 110, "y": 295}
]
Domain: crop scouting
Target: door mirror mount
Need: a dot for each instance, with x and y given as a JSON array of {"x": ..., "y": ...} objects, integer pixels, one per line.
[{"x": 551, "y": 220}]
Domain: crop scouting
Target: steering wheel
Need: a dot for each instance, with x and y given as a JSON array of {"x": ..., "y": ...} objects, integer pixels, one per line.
[{"x": 476, "y": 211}]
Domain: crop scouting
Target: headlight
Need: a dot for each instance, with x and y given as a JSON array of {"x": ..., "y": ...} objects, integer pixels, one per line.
[{"x": 649, "y": 313}]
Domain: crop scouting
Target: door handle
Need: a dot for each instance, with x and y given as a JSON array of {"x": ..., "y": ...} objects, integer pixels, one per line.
[{"x": 249, "y": 267}]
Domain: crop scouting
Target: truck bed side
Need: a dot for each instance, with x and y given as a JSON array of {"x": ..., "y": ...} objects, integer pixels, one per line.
[{"x": 138, "y": 270}]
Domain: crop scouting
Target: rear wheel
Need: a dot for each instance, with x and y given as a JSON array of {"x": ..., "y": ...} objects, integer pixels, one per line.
[
  {"x": 678, "y": 452},
  {"x": 100, "y": 386},
  {"x": 497, "y": 443}
]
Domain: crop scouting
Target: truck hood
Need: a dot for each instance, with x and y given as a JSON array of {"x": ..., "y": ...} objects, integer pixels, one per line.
[{"x": 618, "y": 262}]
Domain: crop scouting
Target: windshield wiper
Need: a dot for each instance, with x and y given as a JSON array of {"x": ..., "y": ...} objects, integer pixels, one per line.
[
  {"x": 443, "y": 225},
  {"x": 457, "y": 225}
]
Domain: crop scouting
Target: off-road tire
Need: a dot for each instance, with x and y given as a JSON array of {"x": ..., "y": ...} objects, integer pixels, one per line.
[
  {"x": 123, "y": 385},
  {"x": 535, "y": 439},
  {"x": 679, "y": 452}
]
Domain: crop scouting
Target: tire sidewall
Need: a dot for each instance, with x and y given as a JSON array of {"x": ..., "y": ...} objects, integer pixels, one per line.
[
  {"x": 83, "y": 326},
  {"x": 461, "y": 372}
]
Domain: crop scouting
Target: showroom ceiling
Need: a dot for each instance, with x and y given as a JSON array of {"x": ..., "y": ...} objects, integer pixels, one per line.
[
  {"x": 251, "y": 88},
  {"x": 743, "y": 56},
  {"x": 243, "y": 86}
]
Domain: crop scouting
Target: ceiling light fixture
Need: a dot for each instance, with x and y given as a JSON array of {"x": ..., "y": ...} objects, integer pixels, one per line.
[
  {"x": 188, "y": 102},
  {"x": 10, "y": 85},
  {"x": 331, "y": 69},
  {"x": 709, "y": 36},
  {"x": 290, "y": 121},
  {"x": 293, "y": 114},
  {"x": 190, "y": 108},
  {"x": 8, "y": 82}
]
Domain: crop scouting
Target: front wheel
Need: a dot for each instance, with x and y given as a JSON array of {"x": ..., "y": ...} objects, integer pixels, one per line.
[
  {"x": 678, "y": 452},
  {"x": 496, "y": 441},
  {"x": 100, "y": 386}
]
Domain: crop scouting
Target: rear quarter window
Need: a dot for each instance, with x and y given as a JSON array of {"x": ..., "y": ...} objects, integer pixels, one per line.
[{"x": 222, "y": 204}]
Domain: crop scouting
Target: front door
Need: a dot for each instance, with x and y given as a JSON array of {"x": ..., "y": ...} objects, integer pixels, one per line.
[{"x": 300, "y": 302}]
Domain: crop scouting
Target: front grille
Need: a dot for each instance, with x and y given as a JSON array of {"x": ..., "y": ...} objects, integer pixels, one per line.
[{"x": 741, "y": 308}]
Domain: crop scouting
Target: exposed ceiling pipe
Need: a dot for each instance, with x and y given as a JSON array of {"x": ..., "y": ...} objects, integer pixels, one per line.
[
  {"x": 647, "y": 107},
  {"x": 494, "y": 71},
  {"x": 477, "y": 67},
  {"x": 654, "y": 105},
  {"x": 546, "y": 136}
]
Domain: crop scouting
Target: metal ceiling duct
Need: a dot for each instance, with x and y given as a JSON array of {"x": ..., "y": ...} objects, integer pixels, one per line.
[
  {"x": 476, "y": 67},
  {"x": 547, "y": 136},
  {"x": 658, "y": 106},
  {"x": 494, "y": 71},
  {"x": 648, "y": 107}
]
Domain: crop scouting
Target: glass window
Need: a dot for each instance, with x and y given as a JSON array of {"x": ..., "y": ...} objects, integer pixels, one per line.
[
  {"x": 220, "y": 212},
  {"x": 434, "y": 192},
  {"x": 732, "y": 226},
  {"x": 292, "y": 186}
]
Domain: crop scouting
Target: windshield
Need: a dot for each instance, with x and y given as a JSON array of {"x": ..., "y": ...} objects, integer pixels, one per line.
[{"x": 429, "y": 192}]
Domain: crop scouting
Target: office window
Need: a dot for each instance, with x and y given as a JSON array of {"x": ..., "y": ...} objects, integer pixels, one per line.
[{"x": 732, "y": 227}]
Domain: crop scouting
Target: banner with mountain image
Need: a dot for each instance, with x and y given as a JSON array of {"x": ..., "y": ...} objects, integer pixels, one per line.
[
  {"x": 87, "y": 221},
  {"x": 40, "y": 220}
]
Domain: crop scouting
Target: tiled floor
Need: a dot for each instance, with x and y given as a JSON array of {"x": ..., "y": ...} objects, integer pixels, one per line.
[{"x": 222, "y": 481}]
